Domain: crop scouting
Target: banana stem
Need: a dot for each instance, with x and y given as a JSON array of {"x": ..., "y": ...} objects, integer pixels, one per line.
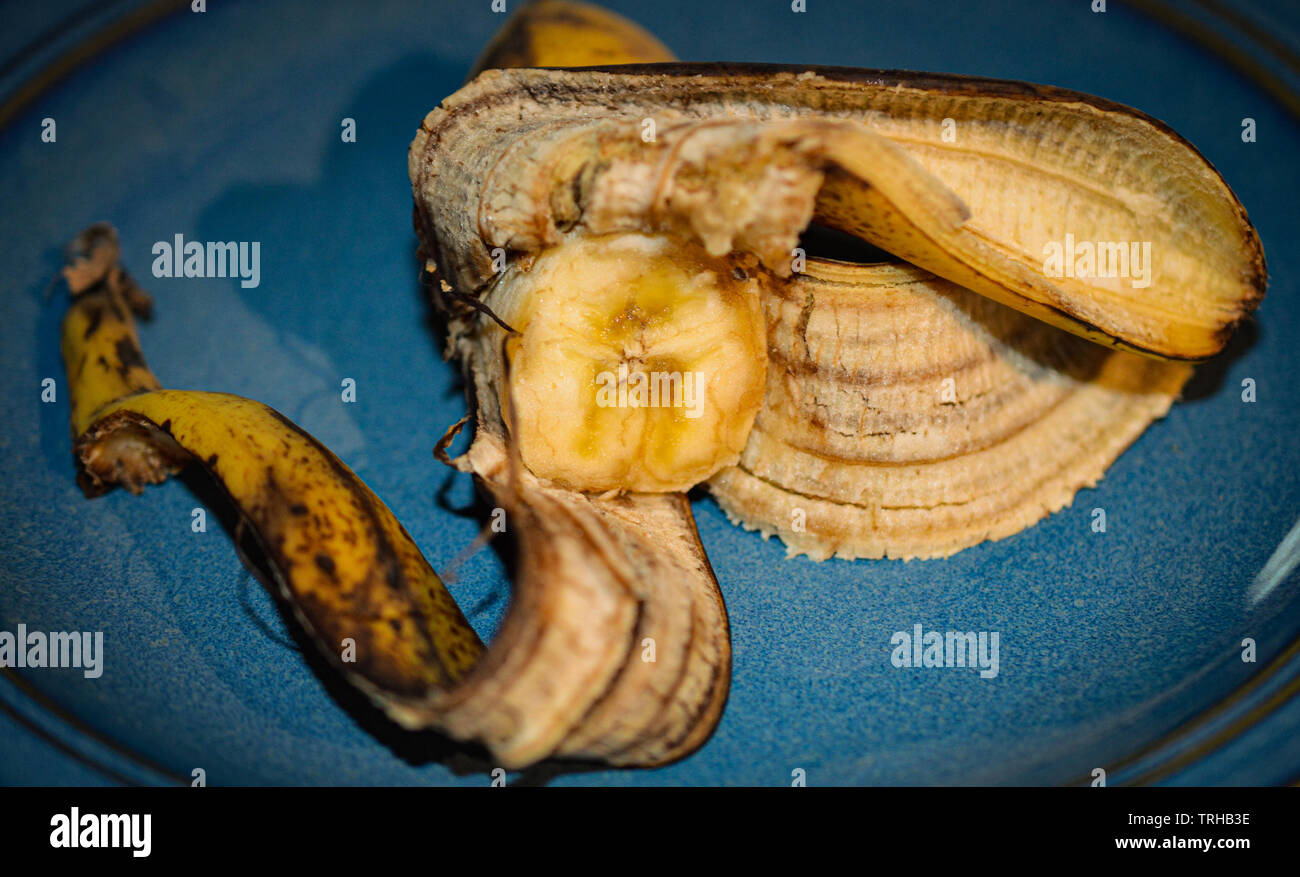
[{"x": 101, "y": 350}]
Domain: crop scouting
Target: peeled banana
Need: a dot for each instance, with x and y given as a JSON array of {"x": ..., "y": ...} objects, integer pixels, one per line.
[
  {"x": 616, "y": 254},
  {"x": 908, "y": 411},
  {"x": 640, "y": 367}
]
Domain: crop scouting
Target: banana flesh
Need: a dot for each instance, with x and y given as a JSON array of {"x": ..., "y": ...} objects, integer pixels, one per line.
[
  {"x": 908, "y": 417},
  {"x": 639, "y": 364}
]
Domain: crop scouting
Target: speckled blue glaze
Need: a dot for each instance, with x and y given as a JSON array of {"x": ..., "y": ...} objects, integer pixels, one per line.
[{"x": 225, "y": 126}]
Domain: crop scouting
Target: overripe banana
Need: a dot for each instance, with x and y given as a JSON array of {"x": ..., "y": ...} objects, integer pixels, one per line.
[
  {"x": 902, "y": 440},
  {"x": 616, "y": 253}
]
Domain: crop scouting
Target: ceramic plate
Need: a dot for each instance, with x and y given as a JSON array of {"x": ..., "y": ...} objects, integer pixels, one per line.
[{"x": 1120, "y": 650}]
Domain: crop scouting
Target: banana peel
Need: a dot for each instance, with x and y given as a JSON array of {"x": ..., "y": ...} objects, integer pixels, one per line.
[
  {"x": 908, "y": 417},
  {"x": 339, "y": 556},
  {"x": 520, "y": 159}
]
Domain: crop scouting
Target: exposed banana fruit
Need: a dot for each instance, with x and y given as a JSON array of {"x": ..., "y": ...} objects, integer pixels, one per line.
[
  {"x": 639, "y": 365},
  {"x": 860, "y": 448},
  {"x": 908, "y": 417}
]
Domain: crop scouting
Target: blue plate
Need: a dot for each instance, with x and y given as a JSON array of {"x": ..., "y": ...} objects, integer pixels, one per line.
[{"x": 1120, "y": 650}]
